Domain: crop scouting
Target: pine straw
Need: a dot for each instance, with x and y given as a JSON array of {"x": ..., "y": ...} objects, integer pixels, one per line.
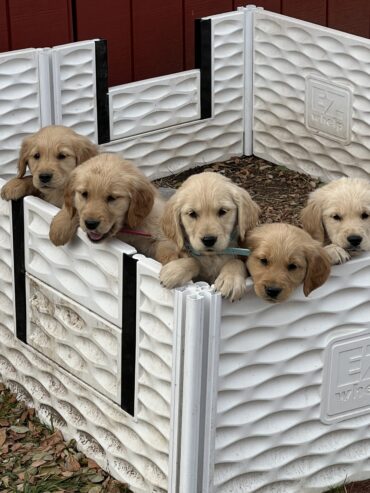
[{"x": 35, "y": 459}]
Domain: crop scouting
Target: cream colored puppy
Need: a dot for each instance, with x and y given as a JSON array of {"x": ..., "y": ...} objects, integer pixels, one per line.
[
  {"x": 51, "y": 154},
  {"x": 106, "y": 195},
  {"x": 338, "y": 216},
  {"x": 206, "y": 215},
  {"x": 283, "y": 257}
]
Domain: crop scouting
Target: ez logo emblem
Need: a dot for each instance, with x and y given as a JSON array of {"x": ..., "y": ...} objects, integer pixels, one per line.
[
  {"x": 328, "y": 109},
  {"x": 346, "y": 379}
]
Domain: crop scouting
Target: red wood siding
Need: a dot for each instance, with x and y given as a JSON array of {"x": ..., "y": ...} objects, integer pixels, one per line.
[
  {"x": 147, "y": 38},
  {"x": 39, "y": 23},
  {"x": 4, "y": 42},
  {"x": 94, "y": 20}
]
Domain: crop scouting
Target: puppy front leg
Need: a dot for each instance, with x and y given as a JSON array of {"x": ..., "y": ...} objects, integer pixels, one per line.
[
  {"x": 231, "y": 281},
  {"x": 166, "y": 251},
  {"x": 178, "y": 272},
  {"x": 337, "y": 254},
  {"x": 16, "y": 188},
  {"x": 63, "y": 227}
]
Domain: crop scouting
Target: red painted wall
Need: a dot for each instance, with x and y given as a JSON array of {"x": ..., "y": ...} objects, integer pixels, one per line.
[{"x": 146, "y": 38}]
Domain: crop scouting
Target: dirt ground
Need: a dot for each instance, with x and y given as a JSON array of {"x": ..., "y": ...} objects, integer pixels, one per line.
[{"x": 280, "y": 192}]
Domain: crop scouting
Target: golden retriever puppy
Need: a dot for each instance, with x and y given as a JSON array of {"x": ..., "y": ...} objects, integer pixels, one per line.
[
  {"x": 338, "y": 216},
  {"x": 107, "y": 195},
  {"x": 283, "y": 257},
  {"x": 206, "y": 215},
  {"x": 51, "y": 154}
]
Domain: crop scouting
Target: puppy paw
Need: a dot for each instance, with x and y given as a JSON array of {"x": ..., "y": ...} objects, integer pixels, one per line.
[
  {"x": 230, "y": 287},
  {"x": 14, "y": 189},
  {"x": 178, "y": 272},
  {"x": 62, "y": 228},
  {"x": 337, "y": 254}
]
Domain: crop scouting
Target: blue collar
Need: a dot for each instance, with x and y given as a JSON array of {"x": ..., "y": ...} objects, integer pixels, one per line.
[{"x": 245, "y": 252}]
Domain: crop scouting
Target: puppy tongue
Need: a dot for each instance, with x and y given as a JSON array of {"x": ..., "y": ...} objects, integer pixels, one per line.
[{"x": 94, "y": 236}]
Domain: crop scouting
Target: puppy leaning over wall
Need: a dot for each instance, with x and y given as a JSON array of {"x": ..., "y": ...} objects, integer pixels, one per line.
[
  {"x": 108, "y": 196},
  {"x": 51, "y": 154},
  {"x": 283, "y": 257},
  {"x": 207, "y": 215},
  {"x": 338, "y": 216}
]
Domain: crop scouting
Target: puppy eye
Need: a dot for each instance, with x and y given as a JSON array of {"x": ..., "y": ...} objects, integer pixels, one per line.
[
  {"x": 263, "y": 261},
  {"x": 110, "y": 198},
  {"x": 337, "y": 217},
  {"x": 193, "y": 214},
  {"x": 84, "y": 195},
  {"x": 36, "y": 156},
  {"x": 222, "y": 212},
  {"x": 364, "y": 215},
  {"x": 61, "y": 156},
  {"x": 292, "y": 266}
]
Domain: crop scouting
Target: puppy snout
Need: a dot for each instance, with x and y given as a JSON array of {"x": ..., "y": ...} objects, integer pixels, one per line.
[
  {"x": 272, "y": 291},
  {"x": 209, "y": 241},
  {"x": 45, "y": 177},
  {"x": 354, "y": 240},
  {"x": 91, "y": 224}
]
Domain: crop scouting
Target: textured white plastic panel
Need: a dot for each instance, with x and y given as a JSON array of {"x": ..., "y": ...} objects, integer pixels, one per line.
[
  {"x": 154, "y": 103},
  {"x": 79, "y": 341},
  {"x": 90, "y": 274},
  {"x": 311, "y": 97},
  {"x": 168, "y": 151},
  {"x": 269, "y": 436},
  {"x": 19, "y": 104},
  {"x": 74, "y": 78},
  {"x": 134, "y": 450},
  {"x": 7, "y": 314}
]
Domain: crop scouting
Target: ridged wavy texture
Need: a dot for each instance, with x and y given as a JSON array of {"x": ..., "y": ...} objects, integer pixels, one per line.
[
  {"x": 269, "y": 437},
  {"x": 88, "y": 274},
  {"x": 19, "y": 105},
  {"x": 7, "y": 328},
  {"x": 154, "y": 104},
  {"x": 76, "y": 339},
  {"x": 286, "y": 52},
  {"x": 134, "y": 450},
  {"x": 75, "y": 87},
  {"x": 168, "y": 151}
]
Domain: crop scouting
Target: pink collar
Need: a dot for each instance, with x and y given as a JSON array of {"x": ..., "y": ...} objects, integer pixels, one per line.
[{"x": 135, "y": 232}]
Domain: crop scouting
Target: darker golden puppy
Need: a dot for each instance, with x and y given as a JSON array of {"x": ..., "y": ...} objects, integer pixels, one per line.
[
  {"x": 51, "y": 154},
  {"x": 283, "y": 257},
  {"x": 108, "y": 196},
  {"x": 204, "y": 217},
  {"x": 338, "y": 215}
]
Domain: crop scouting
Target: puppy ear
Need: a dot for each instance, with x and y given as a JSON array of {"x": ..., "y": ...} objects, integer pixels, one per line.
[
  {"x": 141, "y": 201},
  {"x": 170, "y": 222},
  {"x": 69, "y": 192},
  {"x": 248, "y": 211},
  {"x": 24, "y": 155},
  {"x": 318, "y": 269},
  {"x": 311, "y": 217},
  {"x": 83, "y": 148}
]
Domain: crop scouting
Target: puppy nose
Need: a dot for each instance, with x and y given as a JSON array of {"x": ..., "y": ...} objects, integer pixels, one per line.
[
  {"x": 91, "y": 223},
  {"x": 354, "y": 240},
  {"x": 272, "y": 291},
  {"x": 209, "y": 241},
  {"x": 45, "y": 177}
]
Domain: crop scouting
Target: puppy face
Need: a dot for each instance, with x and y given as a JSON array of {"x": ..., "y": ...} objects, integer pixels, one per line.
[
  {"x": 283, "y": 257},
  {"x": 52, "y": 154},
  {"x": 108, "y": 192},
  {"x": 340, "y": 210},
  {"x": 208, "y": 210}
]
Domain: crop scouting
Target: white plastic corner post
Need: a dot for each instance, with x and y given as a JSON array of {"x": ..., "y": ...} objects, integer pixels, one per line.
[
  {"x": 249, "y": 12},
  {"x": 46, "y": 93}
]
